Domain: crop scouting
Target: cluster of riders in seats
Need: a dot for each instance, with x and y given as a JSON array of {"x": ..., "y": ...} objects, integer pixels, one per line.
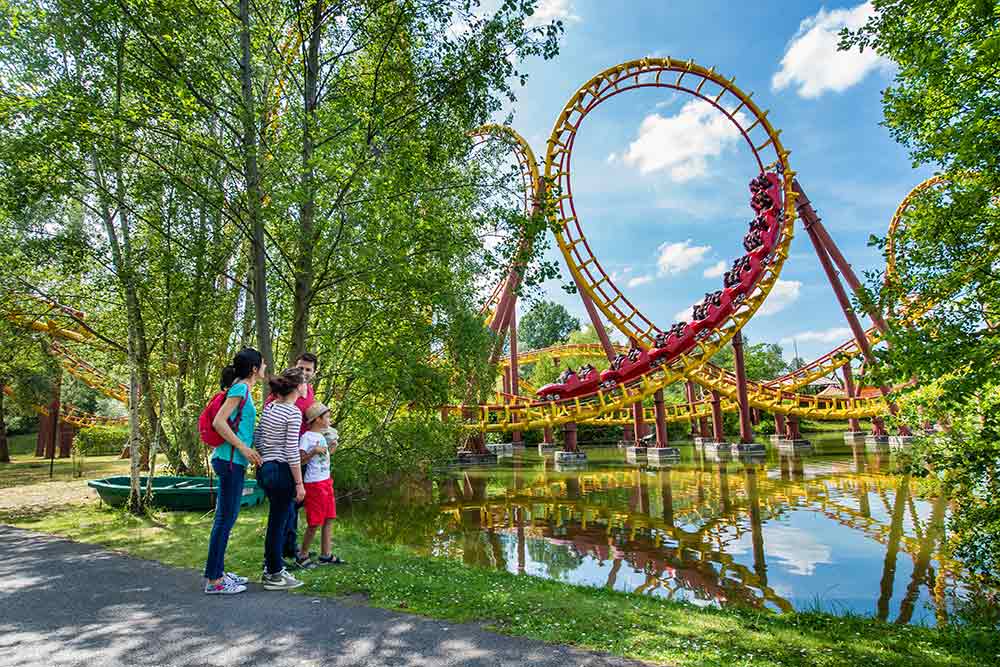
[{"x": 737, "y": 284}]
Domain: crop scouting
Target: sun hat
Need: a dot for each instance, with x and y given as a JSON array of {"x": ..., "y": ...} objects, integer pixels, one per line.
[{"x": 315, "y": 411}]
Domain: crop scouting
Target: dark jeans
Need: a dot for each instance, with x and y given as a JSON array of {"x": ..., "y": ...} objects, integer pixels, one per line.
[
  {"x": 276, "y": 479},
  {"x": 291, "y": 548},
  {"x": 227, "y": 508}
]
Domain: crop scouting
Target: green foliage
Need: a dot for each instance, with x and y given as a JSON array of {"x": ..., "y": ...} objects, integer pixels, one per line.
[
  {"x": 101, "y": 440},
  {"x": 547, "y": 323},
  {"x": 943, "y": 106}
]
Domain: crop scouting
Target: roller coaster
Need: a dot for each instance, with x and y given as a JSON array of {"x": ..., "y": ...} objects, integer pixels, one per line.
[{"x": 657, "y": 357}]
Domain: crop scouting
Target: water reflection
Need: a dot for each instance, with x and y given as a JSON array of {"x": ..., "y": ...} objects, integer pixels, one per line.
[{"x": 797, "y": 530}]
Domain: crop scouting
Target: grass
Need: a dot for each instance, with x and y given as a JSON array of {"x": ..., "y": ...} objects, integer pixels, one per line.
[
  {"x": 26, "y": 469},
  {"x": 599, "y": 619}
]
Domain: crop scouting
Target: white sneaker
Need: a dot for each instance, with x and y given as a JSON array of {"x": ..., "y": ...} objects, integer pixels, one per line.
[
  {"x": 280, "y": 582},
  {"x": 231, "y": 576},
  {"x": 224, "y": 587}
]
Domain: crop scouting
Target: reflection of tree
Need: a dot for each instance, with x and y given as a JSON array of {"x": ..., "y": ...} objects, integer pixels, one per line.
[{"x": 557, "y": 559}]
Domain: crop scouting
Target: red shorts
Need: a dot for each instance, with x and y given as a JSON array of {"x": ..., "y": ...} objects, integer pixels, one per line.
[{"x": 320, "y": 502}]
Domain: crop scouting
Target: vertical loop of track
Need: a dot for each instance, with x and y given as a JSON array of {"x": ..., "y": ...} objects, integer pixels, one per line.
[{"x": 704, "y": 84}]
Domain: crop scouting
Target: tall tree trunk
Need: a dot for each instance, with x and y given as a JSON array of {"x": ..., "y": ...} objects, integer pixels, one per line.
[
  {"x": 307, "y": 207},
  {"x": 4, "y": 450},
  {"x": 251, "y": 174}
]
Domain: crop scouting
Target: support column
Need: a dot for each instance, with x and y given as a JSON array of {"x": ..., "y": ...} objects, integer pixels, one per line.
[
  {"x": 689, "y": 394},
  {"x": 792, "y": 432},
  {"x": 570, "y": 452},
  {"x": 661, "y": 419},
  {"x": 853, "y": 424},
  {"x": 638, "y": 424},
  {"x": 746, "y": 431},
  {"x": 513, "y": 379},
  {"x": 845, "y": 270},
  {"x": 809, "y": 221},
  {"x": 547, "y": 436},
  {"x": 717, "y": 433},
  {"x": 779, "y": 425}
]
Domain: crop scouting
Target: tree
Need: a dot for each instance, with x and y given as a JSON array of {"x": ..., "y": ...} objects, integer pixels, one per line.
[
  {"x": 545, "y": 324},
  {"x": 944, "y": 106}
]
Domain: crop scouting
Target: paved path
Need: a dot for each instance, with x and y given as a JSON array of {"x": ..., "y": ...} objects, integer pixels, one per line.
[{"x": 65, "y": 603}]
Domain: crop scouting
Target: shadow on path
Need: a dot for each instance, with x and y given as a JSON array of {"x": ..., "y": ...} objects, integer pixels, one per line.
[{"x": 66, "y": 603}]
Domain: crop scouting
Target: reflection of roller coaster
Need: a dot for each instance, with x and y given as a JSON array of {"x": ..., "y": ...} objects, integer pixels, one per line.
[
  {"x": 656, "y": 357},
  {"x": 680, "y": 527}
]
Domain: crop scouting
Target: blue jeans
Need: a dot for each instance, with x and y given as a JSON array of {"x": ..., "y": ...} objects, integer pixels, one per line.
[
  {"x": 227, "y": 508},
  {"x": 291, "y": 548},
  {"x": 276, "y": 479}
]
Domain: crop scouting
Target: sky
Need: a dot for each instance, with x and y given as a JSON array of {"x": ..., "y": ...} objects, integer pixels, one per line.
[{"x": 660, "y": 184}]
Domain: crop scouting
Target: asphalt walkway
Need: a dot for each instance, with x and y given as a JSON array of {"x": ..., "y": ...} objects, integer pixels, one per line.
[{"x": 66, "y": 603}]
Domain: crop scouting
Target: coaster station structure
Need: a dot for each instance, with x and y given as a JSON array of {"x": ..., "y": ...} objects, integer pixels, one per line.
[{"x": 657, "y": 357}]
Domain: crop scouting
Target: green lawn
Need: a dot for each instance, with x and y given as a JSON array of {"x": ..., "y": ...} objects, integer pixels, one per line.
[
  {"x": 27, "y": 469},
  {"x": 633, "y": 626},
  {"x": 23, "y": 444}
]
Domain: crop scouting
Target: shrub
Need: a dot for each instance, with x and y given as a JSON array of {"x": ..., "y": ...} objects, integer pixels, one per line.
[{"x": 98, "y": 440}]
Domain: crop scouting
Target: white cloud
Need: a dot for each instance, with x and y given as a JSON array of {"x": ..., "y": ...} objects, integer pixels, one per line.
[
  {"x": 812, "y": 63},
  {"x": 640, "y": 280},
  {"x": 834, "y": 335},
  {"x": 553, "y": 10},
  {"x": 715, "y": 270},
  {"x": 800, "y": 552},
  {"x": 682, "y": 144},
  {"x": 683, "y": 315},
  {"x": 783, "y": 294},
  {"x": 612, "y": 157},
  {"x": 679, "y": 257}
]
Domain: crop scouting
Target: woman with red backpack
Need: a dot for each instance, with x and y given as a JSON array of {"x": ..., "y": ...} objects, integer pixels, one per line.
[{"x": 234, "y": 423}]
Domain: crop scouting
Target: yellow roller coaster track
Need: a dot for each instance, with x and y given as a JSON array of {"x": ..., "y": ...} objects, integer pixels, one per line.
[{"x": 777, "y": 395}]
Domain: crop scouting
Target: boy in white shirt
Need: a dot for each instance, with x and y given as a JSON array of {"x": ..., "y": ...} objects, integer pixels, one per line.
[{"x": 321, "y": 507}]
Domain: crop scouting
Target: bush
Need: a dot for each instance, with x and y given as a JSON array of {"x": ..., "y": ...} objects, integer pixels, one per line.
[{"x": 100, "y": 440}]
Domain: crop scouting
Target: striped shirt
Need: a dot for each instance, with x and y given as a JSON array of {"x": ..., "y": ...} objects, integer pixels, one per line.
[{"x": 277, "y": 435}]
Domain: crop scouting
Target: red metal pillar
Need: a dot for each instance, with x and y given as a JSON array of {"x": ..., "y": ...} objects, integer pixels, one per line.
[
  {"x": 569, "y": 437},
  {"x": 792, "y": 432},
  {"x": 661, "y": 419},
  {"x": 547, "y": 435},
  {"x": 779, "y": 424},
  {"x": 746, "y": 431},
  {"x": 689, "y": 393},
  {"x": 809, "y": 219},
  {"x": 514, "y": 377},
  {"x": 854, "y": 425},
  {"x": 638, "y": 423},
  {"x": 717, "y": 434},
  {"x": 847, "y": 271}
]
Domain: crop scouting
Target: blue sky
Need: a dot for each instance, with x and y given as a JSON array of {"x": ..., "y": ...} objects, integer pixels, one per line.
[{"x": 662, "y": 208}]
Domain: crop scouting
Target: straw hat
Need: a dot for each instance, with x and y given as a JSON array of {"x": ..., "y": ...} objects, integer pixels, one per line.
[{"x": 315, "y": 411}]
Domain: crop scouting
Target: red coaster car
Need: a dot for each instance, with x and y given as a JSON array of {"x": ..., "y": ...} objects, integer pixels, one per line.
[
  {"x": 677, "y": 340},
  {"x": 571, "y": 384},
  {"x": 716, "y": 307}
]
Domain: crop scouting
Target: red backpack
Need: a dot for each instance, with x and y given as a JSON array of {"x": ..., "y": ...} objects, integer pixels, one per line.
[{"x": 208, "y": 433}]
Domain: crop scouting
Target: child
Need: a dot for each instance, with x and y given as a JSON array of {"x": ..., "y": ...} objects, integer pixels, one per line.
[{"x": 321, "y": 506}]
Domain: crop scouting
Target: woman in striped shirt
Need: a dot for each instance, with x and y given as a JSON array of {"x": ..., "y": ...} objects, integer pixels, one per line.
[{"x": 277, "y": 441}]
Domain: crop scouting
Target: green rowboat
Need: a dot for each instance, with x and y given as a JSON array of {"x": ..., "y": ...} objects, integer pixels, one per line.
[{"x": 174, "y": 493}]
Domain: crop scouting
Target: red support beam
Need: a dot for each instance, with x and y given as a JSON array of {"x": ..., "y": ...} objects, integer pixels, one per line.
[
  {"x": 746, "y": 430},
  {"x": 689, "y": 394},
  {"x": 852, "y": 392},
  {"x": 547, "y": 435},
  {"x": 638, "y": 425},
  {"x": 513, "y": 378},
  {"x": 847, "y": 271},
  {"x": 717, "y": 433},
  {"x": 779, "y": 424},
  {"x": 809, "y": 220},
  {"x": 661, "y": 419},
  {"x": 569, "y": 437},
  {"x": 792, "y": 432}
]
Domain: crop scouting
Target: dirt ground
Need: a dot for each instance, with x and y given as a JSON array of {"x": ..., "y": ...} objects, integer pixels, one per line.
[{"x": 27, "y": 491}]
